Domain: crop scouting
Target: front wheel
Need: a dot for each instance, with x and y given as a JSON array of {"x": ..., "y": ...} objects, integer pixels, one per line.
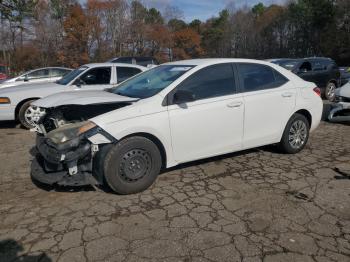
[
  {"x": 28, "y": 114},
  {"x": 132, "y": 165},
  {"x": 295, "y": 135},
  {"x": 330, "y": 92}
]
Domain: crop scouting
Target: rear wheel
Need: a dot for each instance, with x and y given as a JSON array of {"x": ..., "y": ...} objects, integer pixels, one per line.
[
  {"x": 330, "y": 92},
  {"x": 132, "y": 165},
  {"x": 28, "y": 114},
  {"x": 295, "y": 135}
]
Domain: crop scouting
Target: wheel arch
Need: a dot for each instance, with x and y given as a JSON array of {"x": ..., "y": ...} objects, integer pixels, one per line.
[
  {"x": 305, "y": 113},
  {"x": 20, "y": 104},
  {"x": 156, "y": 141},
  {"x": 334, "y": 81}
]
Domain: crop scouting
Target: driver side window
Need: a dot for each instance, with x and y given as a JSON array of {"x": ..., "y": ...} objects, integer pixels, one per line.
[{"x": 97, "y": 76}]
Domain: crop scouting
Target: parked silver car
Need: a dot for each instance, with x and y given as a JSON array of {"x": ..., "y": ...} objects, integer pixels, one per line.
[
  {"x": 41, "y": 75},
  {"x": 15, "y": 101}
]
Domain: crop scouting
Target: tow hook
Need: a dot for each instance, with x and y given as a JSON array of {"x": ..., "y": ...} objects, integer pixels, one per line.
[{"x": 72, "y": 167}]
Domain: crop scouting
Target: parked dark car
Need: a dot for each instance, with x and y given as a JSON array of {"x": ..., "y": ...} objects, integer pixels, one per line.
[
  {"x": 344, "y": 75},
  {"x": 324, "y": 72},
  {"x": 136, "y": 60}
]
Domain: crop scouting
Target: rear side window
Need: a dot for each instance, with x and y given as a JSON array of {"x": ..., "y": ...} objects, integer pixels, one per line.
[
  {"x": 257, "y": 77},
  {"x": 42, "y": 73},
  {"x": 58, "y": 72},
  {"x": 124, "y": 73},
  {"x": 212, "y": 81}
]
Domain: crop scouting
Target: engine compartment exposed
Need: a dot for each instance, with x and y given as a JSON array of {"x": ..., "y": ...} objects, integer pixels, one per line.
[{"x": 67, "y": 114}]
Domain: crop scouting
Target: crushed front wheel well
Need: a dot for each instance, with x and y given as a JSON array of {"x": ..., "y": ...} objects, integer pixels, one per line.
[
  {"x": 157, "y": 142},
  {"x": 20, "y": 104}
]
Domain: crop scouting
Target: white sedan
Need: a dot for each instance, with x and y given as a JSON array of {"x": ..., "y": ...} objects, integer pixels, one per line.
[
  {"x": 172, "y": 114},
  {"x": 15, "y": 101},
  {"x": 40, "y": 75}
]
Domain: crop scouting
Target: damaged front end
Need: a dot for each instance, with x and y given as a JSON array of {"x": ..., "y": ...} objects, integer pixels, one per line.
[{"x": 69, "y": 145}]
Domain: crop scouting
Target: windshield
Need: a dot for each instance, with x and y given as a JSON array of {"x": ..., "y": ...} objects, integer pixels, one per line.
[
  {"x": 71, "y": 75},
  {"x": 151, "y": 82},
  {"x": 287, "y": 64}
]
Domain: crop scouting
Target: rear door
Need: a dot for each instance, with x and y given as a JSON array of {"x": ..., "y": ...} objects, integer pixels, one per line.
[
  {"x": 321, "y": 74},
  {"x": 305, "y": 71},
  {"x": 269, "y": 100},
  {"x": 213, "y": 123}
]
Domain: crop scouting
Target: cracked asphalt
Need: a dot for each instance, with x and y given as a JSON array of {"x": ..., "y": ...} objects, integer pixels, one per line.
[{"x": 257, "y": 205}]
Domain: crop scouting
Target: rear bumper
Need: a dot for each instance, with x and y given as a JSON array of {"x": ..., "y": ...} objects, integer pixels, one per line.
[
  {"x": 7, "y": 112},
  {"x": 67, "y": 165}
]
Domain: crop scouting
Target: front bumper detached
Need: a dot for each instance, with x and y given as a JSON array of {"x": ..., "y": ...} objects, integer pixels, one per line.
[{"x": 68, "y": 164}]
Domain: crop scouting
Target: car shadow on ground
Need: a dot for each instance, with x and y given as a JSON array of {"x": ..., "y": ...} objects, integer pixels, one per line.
[
  {"x": 8, "y": 124},
  {"x": 10, "y": 251},
  {"x": 106, "y": 189}
]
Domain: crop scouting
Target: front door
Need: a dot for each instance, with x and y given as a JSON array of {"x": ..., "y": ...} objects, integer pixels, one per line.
[
  {"x": 212, "y": 124},
  {"x": 97, "y": 78}
]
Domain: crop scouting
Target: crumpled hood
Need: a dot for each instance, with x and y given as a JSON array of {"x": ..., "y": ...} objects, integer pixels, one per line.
[
  {"x": 81, "y": 98},
  {"x": 344, "y": 91}
]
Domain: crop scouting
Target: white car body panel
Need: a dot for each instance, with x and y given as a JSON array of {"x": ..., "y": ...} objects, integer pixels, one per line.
[
  {"x": 214, "y": 126},
  {"x": 267, "y": 113}
]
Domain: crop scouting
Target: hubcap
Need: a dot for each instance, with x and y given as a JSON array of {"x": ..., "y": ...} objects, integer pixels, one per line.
[
  {"x": 331, "y": 91},
  {"x": 135, "y": 165},
  {"x": 33, "y": 114},
  {"x": 297, "y": 134}
]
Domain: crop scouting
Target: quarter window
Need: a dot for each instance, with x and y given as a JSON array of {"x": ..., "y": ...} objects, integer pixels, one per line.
[
  {"x": 212, "y": 81},
  {"x": 257, "y": 77},
  {"x": 124, "y": 73},
  {"x": 58, "y": 72},
  {"x": 42, "y": 73}
]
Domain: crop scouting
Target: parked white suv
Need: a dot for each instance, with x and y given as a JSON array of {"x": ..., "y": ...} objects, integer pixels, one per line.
[
  {"x": 175, "y": 113},
  {"x": 15, "y": 101}
]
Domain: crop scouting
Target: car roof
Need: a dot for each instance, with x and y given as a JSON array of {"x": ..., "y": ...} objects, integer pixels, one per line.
[
  {"x": 212, "y": 61},
  {"x": 114, "y": 64}
]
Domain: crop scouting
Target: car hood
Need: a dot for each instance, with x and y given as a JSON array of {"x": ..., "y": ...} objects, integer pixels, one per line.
[
  {"x": 81, "y": 98},
  {"x": 26, "y": 87},
  {"x": 344, "y": 91}
]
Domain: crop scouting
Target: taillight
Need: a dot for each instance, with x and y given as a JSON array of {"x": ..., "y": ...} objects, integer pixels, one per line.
[{"x": 317, "y": 91}]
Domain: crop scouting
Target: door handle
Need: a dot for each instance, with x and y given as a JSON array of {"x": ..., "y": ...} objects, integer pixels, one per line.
[
  {"x": 287, "y": 94},
  {"x": 234, "y": 104}
]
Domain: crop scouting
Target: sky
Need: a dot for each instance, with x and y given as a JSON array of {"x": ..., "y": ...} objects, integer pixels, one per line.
[{"x": 204, "y": 9}]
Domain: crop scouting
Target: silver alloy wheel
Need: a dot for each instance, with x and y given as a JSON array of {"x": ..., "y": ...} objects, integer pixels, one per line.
[
  {"x": 33, "y": 114},
  {"x": 297, "y": 134},
  {"x": 331, "y": 91}
]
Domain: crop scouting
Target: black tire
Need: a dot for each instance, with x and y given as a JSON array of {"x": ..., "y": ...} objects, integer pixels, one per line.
[
  {"x": 287, "y": 144},
  {"x": 21, "y": 114},
  {"x": 329, "y": 92},
  {"x": 132, "y": 165}
]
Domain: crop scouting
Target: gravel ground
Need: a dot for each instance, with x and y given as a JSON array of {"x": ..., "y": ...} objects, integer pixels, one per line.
[{"x": 256, "y": 205}]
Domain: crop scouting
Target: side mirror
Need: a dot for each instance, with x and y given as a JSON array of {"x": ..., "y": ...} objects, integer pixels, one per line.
[
  {"x": 78, "y": 82},
  {"x": 183, "y": 96},
  {"x": 26, "y": 79}
]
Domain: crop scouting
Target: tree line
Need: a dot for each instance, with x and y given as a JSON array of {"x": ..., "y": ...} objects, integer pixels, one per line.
[{"x": 64, "y": 32}]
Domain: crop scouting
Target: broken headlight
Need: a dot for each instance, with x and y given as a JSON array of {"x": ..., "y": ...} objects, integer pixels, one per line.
[{"x": 70, "y": 131}]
